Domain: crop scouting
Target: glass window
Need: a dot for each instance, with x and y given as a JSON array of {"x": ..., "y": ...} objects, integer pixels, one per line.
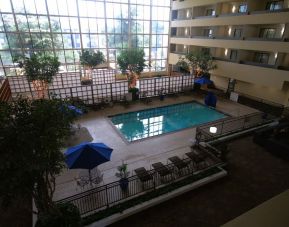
[
  {"x": 242, "y": 8},
  {"x": 91, "y": 9},
  {"x": 8, "y": 22},
  {"x": 55, "y": 24},
  {"x": 84, "y": 25},
  {"x": 62, "y": 7},
  {"x": 74, "y": 24},
  {"x": 18, "y": 6},
  {"x": 69, "y": 56},
  {"x": 67, "y": 41},
  {"x": 274, "y": 5},
  {"x": 44, "y": 24},
  {"x": 237, "y": 33},
  {"x": 208, "y": 32},
  {"x": 65, "y": 26},
  {"x": 6, "y": 57},
  {"x": 233, "y": 55},
  {"x": 86, "y": 41},
  {"x": 22, "y": 23},
  {"x": 4, "y": 7},
  {"x": 82, "y": 8},
  {"x": 210, "y": 12},
  {"x": 52, "y": 7},
  {"x": 267, "y": 33},
  {"x": 101, "y": 25},
  {"x": 262, "y": 58},
  {"x": 41, "y": 6},
  {"x": 121, "y": 24},
  {"x": 72, "y": 8},
  {"x": 30, "y": 6},
  {"x": 33, "y": 24},
  {"x": 100, "y": 9},
  {"x": 147, "y": 13}
]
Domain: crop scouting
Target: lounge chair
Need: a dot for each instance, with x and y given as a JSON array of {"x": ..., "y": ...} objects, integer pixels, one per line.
[
  {"x": 163, "y": 171},
  {"x": 198, "y": 160},
  {"x": 144, "y": 176},
  {"x": 180, "y": 164}
]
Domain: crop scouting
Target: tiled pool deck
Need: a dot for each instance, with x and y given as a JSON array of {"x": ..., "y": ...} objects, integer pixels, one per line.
[{"x": 141, "y": 153}]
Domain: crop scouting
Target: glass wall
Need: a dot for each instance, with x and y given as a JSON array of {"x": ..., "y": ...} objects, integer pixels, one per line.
[{"x": 65, "y": 27}]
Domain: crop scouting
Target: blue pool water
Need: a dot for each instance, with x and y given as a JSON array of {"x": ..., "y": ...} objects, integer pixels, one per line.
[{"x": 156, "y": 121}]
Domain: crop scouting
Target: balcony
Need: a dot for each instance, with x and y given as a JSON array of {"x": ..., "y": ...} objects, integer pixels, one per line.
[
  {"x": 234, "y": 43},
  {"x": 276, "y": 17},
  {"x": 251, "y": 72}
]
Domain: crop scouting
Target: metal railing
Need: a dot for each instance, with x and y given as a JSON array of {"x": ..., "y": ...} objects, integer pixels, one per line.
[
  {"x": 105, "y": 196},
  {"x": 5, "y": 92},
  {"x": 231, "y": 125}
]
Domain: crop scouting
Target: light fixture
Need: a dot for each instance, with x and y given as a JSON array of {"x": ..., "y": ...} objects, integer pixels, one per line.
[
  {"x": 229, "y": 31},
  {"x": 185, "y": 46},
  {"x": 188, "y": 13},
  {"x": 276, "y": 55},
  {"x": 226, "y": 52},
  {"x": 233, "y": 9},
  {"x": 282, "y": 31},
  {"x": 213, "y": 130},
  {"x": 186, "y": 31}
]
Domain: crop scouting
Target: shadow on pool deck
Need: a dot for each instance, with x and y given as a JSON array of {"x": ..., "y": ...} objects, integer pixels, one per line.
[{"x": 254, "y": 177}]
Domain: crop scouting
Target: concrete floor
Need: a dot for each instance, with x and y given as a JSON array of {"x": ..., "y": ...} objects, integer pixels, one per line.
[{"x": 140, "y": 153}]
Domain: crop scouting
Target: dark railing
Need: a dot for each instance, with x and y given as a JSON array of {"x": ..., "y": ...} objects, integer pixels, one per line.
[
  {"x": 5, "y": 92},
  {"x": 149, "y": 87},
  {"x": 231, "y": 125},
  {"x": 103, "y": 92},
  {"x": 105, "y": 196}
]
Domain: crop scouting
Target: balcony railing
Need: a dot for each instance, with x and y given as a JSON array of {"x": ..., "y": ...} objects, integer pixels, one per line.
[
  {"x": 258, "y": 64},
  {"x": 102, "y": 197},
  {"x": 235, "y": 14},
  {"x": 231, "y": 125}
]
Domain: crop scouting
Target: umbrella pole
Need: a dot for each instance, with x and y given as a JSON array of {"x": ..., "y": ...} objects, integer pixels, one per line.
[{"x": 89, "y": 178}]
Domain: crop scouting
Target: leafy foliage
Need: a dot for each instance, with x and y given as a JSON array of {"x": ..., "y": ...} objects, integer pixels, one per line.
[
  {"x": 31, "y": 136},
  {"x": 91, "y": 59},
  {"x": 200, "y": 61},
  {"x": 131, "y": 60},
  {"x": 122, "y": 171},
  {"x": 66, "y": 214},
  {"x": 39, "y": 66}
]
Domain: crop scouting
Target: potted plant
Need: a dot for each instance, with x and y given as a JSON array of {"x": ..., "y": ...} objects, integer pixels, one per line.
[
  {"x": 134, "y": 93},
  {"x": 200, "y": 62},
  {"x": 39, "y": 69},
  {"x": 90, "y": 59},
  {"x": 132, "y": 63},
  {"x": 123, "y": 174}
]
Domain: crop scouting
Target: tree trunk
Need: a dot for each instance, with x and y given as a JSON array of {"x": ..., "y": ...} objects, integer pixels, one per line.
[
  {"x": 43, "y": 193},
  {"x": 41, "y": 87}
]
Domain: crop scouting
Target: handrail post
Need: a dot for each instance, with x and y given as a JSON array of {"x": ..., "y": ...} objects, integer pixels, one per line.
[{"x": 106, "y": 193}]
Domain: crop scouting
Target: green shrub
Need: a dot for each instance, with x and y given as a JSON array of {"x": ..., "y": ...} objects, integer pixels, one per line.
[{"x": 64, "y": 215}]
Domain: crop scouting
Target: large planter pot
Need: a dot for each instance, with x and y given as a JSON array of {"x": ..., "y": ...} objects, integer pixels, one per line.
[
  {"x": 86, "y": 82},
  {"x": 123, "y": 183},
  {"x": 134, "y": 93}
]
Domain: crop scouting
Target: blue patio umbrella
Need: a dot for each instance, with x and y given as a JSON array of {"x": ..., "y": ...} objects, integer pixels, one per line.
[
  {"x": 203, "y": 80},
  {"x": 87, "y": 156}
]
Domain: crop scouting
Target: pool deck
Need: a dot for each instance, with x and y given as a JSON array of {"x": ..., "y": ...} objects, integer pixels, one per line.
[{"x": 140, "y": 153}]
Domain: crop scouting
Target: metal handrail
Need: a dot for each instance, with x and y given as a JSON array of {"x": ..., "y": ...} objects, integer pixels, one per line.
[
  {"x": 111, "y": 193},
  {"x": 203, "y": 135}
]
